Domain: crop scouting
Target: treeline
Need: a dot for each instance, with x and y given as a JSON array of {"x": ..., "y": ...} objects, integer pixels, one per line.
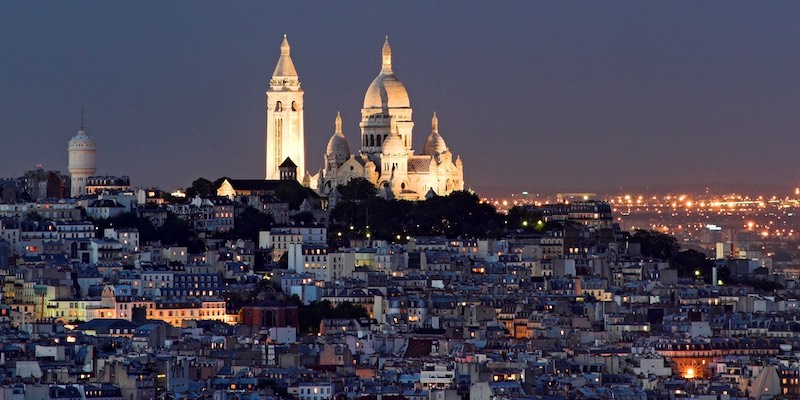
[
  {"x": 460, "y": 214},
  {"x": 177, "y": 232},
  {"x": 691, "y": 263}
]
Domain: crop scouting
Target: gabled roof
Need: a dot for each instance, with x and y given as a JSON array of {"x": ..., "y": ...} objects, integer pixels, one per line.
[
  {"x": 419, "y": 164},
  {"x": 287, "y": 163}
]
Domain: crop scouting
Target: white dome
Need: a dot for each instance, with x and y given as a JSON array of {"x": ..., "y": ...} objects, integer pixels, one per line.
[
  {"x": 81, "y": 137},
  {"x": 338, "y": 148},
  {"x": 434, "y": 144},
  {"x": 338, "y": 145},
  {"x": 393, "y": 145},
  {"x": 386, "y": 91}
]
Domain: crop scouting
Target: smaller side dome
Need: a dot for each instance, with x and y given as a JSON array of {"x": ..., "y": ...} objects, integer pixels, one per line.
[
  {"x": 338, "y": 148},
  {"x": 393, "y": 145},
  {"x": 434, "y": 144}
]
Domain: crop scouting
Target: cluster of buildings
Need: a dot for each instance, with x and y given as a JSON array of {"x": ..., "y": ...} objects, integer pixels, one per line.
[{"x": 573, "y": 311}]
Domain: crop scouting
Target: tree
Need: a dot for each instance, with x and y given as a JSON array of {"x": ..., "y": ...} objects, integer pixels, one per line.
[
  {"x": 249, "y": 223},
  {"x": 147, "y": 232},
  {"x": 687, "y": 262},
  {"x": 175, "y": 231},
  {"x": 201, "y": 187},
  {"x": 303, "y": 218},
  {"x": 292, "y": 193},
  {"x": 169, "y": 198},
  {"x": 655, "y": 244},
  {"x": 524, "y": 218},
  {"x": 357, "y": 190},
  {"x": 460, "y": 214}
]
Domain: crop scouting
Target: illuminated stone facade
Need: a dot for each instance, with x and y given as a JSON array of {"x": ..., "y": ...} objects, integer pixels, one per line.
[
  {"x": 385, "y": 158},
  {"x": 284, "y": 116},
  {"x": 82, "y": 162}
]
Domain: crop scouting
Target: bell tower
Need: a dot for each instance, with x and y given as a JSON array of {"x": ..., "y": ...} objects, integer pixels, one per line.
[{"x": 285, "y": 132}]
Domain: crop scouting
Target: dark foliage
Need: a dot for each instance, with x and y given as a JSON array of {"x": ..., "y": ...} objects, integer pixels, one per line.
[
  {"x": 358, "y": 190},
  {"x": 461, "y": 214},
  {"x": 655, "y": 244},
  {"x": 175, "y": 232},
  {"x": 525, "y": 219},
  {"x": 249, "y": 223},
  {"x": 293, "y": 194},
  {"x": 303, "y": 218},
  {"x": 688, "y": 262},
  {"x": 201, "y": 187},
  {"x": 311, "y": 315}
]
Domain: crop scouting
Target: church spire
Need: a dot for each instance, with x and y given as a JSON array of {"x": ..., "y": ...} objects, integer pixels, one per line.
[
  {"x": 285, "y": 67},
  {"x": 338, "y": 123},
  {"x": 386, "y": 56},
  {"x": 435, "y": 123},
  {"x": 285, "y": 49}
]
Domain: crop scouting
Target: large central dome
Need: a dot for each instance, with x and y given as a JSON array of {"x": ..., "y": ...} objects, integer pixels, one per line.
[{"x": 386, "y": 91}]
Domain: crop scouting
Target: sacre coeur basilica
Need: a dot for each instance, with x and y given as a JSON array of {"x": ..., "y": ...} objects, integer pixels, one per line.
[{"x": 385, "y": 158}]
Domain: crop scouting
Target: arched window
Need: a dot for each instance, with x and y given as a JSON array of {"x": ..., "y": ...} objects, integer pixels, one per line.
[
  {"x": 279, "y": 106},
  {"x": 379, "y": 140},
  {"x": 294, "y": 106},
  {"x": 372, "y": 140}
]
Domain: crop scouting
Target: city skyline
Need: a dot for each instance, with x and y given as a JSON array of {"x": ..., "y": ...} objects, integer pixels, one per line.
[{"x": 577, "y": 95}]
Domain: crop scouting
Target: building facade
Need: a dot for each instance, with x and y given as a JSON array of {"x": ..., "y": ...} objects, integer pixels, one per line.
[
  {"x": 385, "y": 157},
  {"x": 284, "y": 116},
  {"x": 82, "y": 162}
]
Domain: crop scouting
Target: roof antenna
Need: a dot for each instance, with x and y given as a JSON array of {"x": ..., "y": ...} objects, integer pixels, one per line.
[{"x": 81, "y": 119}]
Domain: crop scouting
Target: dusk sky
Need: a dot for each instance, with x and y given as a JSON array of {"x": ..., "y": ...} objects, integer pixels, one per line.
[{"x": 533, "y": 95}]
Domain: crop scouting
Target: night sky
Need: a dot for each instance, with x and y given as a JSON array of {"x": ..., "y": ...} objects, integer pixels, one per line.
[{"x": 534, "y": 96}]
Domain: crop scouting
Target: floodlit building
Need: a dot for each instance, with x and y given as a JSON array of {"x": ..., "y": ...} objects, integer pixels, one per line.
[
  {"x": 82, "y": 161},
  {"x": 385, "y": 158},
  {"x": 284, "y": 116}
]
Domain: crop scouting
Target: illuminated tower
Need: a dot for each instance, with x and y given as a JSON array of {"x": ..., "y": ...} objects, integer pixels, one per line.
[
  {"x": 386, "y": 109},
  {"x": 284, "y": 116},
  {"x": 82, "y": 161}
]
